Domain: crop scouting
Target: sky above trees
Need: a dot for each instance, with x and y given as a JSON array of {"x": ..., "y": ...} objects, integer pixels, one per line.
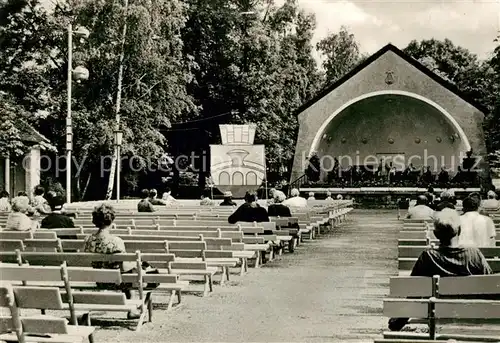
[{"x": 472, "y": 24}]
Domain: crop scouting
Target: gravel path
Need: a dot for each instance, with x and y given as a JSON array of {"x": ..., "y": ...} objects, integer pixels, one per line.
[{"x": 329, "y": 290}]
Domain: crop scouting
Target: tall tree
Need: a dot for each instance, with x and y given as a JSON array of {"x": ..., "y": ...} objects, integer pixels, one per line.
[
  {"x": 340, "y": 52},
  {"x": 156, "y": 75},
  {"x": 255, "y": 65}
]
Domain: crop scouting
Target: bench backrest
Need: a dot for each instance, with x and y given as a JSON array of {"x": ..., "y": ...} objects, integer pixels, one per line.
[
  {"x": 436, "y": 293},
  {"x": 22, "y": 235}
]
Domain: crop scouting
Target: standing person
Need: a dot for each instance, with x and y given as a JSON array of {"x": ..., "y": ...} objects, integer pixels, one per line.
[
  {"x": 18, "y": 219},
  {"x": 250, "y": 211},
  {"x": 228, "y": 199},
  {"x": 420, "y": 210},
  {"x": 145, "y": 205},
  {"x": 153, "y": 194},
  {"x": 39, "y": 203},
  {"x": 449, "y": 259},
  {"x": 295, "y": 200},
  {"x": 4, "y": 202},
  {"x": 477, "y": 230}
]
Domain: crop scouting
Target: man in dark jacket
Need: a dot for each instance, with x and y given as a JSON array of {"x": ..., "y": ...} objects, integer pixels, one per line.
[
  {"x": 277, "y": 209},
  {"x": 145, "y": 205},
  {"x": 449, "y": 259},
  {"x": 250, "y": 211},
  {"x": 57, "y": 219}
]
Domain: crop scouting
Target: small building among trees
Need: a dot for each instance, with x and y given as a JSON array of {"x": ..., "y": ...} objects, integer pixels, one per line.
[{"x": 21, "y": 149}]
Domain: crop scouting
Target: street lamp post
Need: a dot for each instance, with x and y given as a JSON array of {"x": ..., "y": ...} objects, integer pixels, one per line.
[
  {"x": 118, "y": 142},
  {"x": 79, "y": 73}
]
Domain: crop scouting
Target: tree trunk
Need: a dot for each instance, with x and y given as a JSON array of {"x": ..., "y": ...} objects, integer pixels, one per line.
[
  {"x": 86, "y": 186},
  {"x": 118, "y": 103}
]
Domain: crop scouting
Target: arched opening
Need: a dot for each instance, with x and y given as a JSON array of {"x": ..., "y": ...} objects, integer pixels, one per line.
[
  {"x": 251, "y": 178},
  {"x": 238, "y": 178},
  {"x": 224, "y": 178},
  {"x": 403, "y": 126}
]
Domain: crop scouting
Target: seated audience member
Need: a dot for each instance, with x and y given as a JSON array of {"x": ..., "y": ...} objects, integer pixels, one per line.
[
  {"x": 477, "y": 230},
  {"x": 103, "y": 242},
  {"x": 56, "y": 219},
  {"x": 250, "y": 211},
  {"x": 22, "y": 194},
  {"x": 167, "y": 197},
  {"x": 228, "y": 199},
  {"x": 449, "y": 259},
  {"x": 339, "y": 197},
  {"x": 295, "y": 200},
  {"x": 272, "y": 192},
  {"x": 420, "y": 210},
  {"x": 39, "y": 203},
  {"x": 278, "y": 209},
  {"x": 153, "y": 198},
  {"x": 4, "y": 202},
  {"x": 446, "y": 201},
  {"x": 311, "y": 196},
  {"x": 329, "y": 196},
  {"x": 145, "y": 205},
  {"x": 205, "y": 200},
  {"x": 491, "y": 204},
  {"x": 18, "y": 219},
  {"x": 430, "y": 193}
]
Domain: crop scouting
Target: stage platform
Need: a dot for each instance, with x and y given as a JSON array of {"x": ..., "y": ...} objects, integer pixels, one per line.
[{"x": 384, "y": 190}]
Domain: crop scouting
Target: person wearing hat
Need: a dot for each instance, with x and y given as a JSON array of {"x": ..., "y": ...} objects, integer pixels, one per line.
[
  {"x": 56, "y": 219},
  {"x": 449, "y": 259},
  {"x": 277, "y": 209},
  {"x": 491, "y": 204},
  {"x": 228, "y": 199}
]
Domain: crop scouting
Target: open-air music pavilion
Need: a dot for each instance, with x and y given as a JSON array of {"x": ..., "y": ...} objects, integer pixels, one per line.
[{"x": 391, "y": 105}]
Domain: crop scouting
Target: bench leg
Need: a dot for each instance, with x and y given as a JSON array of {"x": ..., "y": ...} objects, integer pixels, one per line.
[
  {"x": 291, "y": 245},
  {"x": 227, "y": 272},
  {"x": 141, "y": 320},
  {"x": 171, "y": 300},
  {"x": 257, "y": 260},
  {"x": 179, "y": 297},
  {"x": 147, "y": 300},
  {"x": 245, "y": 261},
  {"x": 223, "y": 276},
  {"x": 150, "y": 306}
]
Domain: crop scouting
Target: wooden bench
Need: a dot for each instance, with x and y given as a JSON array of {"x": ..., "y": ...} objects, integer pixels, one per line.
[
  {"x": 71, "y": 278},
  {"x": 441, "y": 300},
  {"x": 42, "y": 328},
  {"x": 156, "y": 260}
]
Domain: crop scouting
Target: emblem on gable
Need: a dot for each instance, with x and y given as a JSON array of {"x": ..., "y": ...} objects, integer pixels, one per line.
[
  {"x": 389, "y": 77},
  {"x": 237, "y": 165}
]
